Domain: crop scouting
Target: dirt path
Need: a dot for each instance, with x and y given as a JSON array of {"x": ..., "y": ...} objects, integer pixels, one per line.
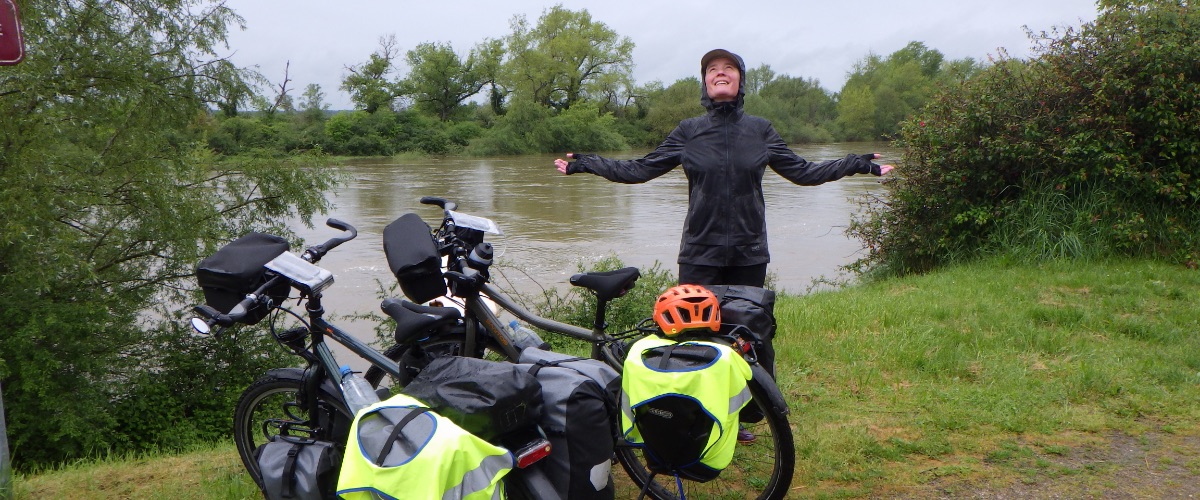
[{"x": 1152, "y": 465}]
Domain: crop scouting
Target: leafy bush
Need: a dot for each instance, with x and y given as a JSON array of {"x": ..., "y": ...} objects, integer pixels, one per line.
[
  {"x": 1104, "y": 120},
  {"x": 236, "y": 133},
  {"x": 510, "y": 134},
  {"x": 359, "y": 133},
  {"x": 461, "y": 133},
  {"x": 581, "y": 128},
  {"x": 531, "y": 128}
]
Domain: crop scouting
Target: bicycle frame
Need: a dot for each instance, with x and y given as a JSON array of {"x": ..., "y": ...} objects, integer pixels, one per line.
[
  {"x": 320, "y": 328},
  {"x": 596, "y": 337}
]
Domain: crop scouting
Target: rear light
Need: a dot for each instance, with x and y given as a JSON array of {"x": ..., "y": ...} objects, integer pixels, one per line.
[{"x": 529, "y": 454}]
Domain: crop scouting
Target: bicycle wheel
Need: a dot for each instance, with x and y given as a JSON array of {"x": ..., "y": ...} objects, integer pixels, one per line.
[
  {"x": 761, "y": 469},
  {"x": 272, "y": 406}
]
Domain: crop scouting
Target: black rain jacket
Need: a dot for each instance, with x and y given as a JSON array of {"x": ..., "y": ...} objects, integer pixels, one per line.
[{"x": 724, "y": 154}]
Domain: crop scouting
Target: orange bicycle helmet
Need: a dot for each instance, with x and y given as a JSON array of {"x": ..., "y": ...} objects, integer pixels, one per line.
[{"x": 687, "y": 307}]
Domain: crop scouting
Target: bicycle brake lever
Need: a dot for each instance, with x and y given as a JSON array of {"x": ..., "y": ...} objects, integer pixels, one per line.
[{"x": 472, "y": 281}]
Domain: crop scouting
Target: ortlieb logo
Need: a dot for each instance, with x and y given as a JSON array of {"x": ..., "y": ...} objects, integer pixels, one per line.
[{"x": 660, "y": 413}]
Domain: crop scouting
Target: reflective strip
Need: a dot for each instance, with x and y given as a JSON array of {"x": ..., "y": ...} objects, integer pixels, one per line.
[
  {"x": 738, "y": 401},
  {"x": 479, "y": 478},
  {"x": 600, "y": 474},
  {"x": 625, "y": 409}
]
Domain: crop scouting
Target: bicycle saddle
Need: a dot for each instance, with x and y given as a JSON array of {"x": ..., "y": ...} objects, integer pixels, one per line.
[
  {"x": 415, "y": 321},
  {"x": 608, "y": 285}
]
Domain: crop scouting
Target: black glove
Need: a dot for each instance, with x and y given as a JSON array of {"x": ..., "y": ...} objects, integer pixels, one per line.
[
  {"x": 873, "y": 169},
  {"x": 575, "y": 166}
]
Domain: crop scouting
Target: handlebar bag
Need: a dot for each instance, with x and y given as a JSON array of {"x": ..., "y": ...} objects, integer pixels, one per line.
[
  {"x": 487, "y": 398},
  {"x": 237, "y": 269},
  {"x": 579, "y": 404},
  {"x": 296, "y": 468},
  {"x": 413, "y": 258},
  {"x": 400, "y": 449},
  {"x": 680, "y": 402}
]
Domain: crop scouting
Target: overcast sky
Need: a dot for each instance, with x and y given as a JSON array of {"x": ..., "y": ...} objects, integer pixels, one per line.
[{"x": 800, "y": 38}]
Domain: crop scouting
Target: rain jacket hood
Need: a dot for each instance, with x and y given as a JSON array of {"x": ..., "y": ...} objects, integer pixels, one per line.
[{"x": 706, "y": 101}]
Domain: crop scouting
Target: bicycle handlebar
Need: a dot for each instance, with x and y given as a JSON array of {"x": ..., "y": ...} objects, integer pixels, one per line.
[
  {"x": 312, "y": 254},
  {"x": 239, "y": 311},
  {"x": 441, "y": 202}
]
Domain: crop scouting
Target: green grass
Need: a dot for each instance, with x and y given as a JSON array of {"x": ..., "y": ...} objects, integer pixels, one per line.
[
  {"x": 205, "y": 473},
  {"x": 902, "y": 383},
  {"x": 987, "y": 375}
]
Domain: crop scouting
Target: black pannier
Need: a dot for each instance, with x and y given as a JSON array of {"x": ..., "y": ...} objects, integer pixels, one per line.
[
  {"x": 753, "y": 308},
  {"x": 295, "y": 468},
  {"x": 489, "y": 399},
  {"x": 237, "y": 269},
  {"x": 413, "y": 257},
  {"x": 579, "y": 403},
  {"x": 749, "y": 312}
]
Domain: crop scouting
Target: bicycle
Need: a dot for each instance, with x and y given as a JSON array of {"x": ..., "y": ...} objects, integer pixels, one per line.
[
  {"x": 308, "y": 402},
  {"x": 759, "y": 470}
]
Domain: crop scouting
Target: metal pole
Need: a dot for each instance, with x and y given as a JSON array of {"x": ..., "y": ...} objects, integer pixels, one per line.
[{"x": 6, "y": 486}]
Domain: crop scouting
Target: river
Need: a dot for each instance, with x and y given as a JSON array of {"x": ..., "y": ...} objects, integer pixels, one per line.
[{"x": 553, "y": 223}]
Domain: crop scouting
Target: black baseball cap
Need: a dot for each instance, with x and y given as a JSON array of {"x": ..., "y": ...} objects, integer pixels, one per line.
[{"x": 715, "y": 53}]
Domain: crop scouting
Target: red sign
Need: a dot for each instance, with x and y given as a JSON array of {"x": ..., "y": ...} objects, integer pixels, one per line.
[{"x": 12, "y": 47}]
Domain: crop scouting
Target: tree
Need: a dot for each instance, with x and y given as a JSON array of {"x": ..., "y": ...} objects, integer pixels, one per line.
[
  {"x": 368, "y": 83},
  {"x": 312, "y": 105},
  {"x": 566, "y": 58},
  {"x": 228, "y": 87},
  {"x": 490, "y": 64},
  {"x": 1086, "y": 151},
  {"x": 757, "y": 78},
  {"x": 439, "y": 81},
  {"x": 671, "y": 105},
  {"x": 799, "y": 108},
  {"x": 281, "y": 100},
  {"x": 110, "y": 201},
  {"x": 881, "y": 92}
]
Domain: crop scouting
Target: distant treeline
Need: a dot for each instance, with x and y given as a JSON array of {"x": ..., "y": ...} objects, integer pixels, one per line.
[{"x": 562, "y": 84}]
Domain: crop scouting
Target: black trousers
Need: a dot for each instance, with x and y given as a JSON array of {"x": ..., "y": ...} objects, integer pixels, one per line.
[{"x": 755, "y": 275}]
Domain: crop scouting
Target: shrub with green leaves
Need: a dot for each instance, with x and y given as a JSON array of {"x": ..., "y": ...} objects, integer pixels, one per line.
[{"x": 1091, "y": 145}]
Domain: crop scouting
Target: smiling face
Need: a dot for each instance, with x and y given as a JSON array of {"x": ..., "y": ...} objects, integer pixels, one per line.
[{"x": 721, "y": 79}]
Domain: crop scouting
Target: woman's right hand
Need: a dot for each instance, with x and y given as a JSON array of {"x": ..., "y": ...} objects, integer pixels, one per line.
[{"x": 562, "y": 164}]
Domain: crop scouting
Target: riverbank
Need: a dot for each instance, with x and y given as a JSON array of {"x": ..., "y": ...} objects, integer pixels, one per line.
[{"x": 983, "y": 381}]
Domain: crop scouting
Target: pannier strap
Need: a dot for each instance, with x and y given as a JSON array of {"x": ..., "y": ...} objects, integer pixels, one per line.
[
  {"x": 687, "y": 352},
  {"x": 541, "y": 363},
  {"x": 289, "y": 470},
  {"x": 666, "y": 356},
  {"x": 391, "y": 440}
]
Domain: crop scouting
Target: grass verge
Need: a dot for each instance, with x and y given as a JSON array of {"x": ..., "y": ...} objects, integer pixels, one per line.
[{"x": 1061, "y": 379}]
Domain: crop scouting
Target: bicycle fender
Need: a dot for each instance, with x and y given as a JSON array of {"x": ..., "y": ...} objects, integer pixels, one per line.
[
  {"x": 298, "y": 375},
  {"x": 774, "y": 395}
]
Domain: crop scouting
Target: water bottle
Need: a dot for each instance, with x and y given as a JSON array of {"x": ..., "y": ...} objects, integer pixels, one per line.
[
  {"x": 357, "y": 391},
  {"x": 523, "y": 337}
]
